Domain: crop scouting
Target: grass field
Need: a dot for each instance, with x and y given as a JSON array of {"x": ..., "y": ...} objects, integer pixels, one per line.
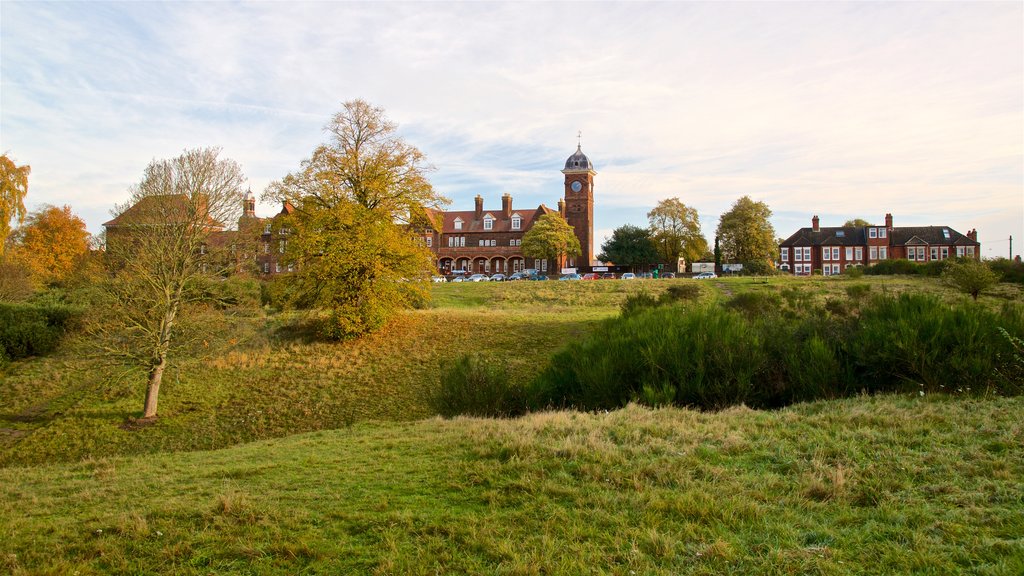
[{"x": 863, "y": 486}]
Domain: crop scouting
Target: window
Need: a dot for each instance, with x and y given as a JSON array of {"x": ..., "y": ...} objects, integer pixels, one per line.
[
  {"x": 280, "y": 246},
  {"x": 935, "y": 253},
  {"x": 430, "y": 241},
  {"x": 959, "y": 251},
  {"x": 835, "y": 269},
  {"x": 488, "y": 223},
  {"x": 883, "y": 252},
  {"x": 835, "y": 252},
  {"x": 945, "y": 233},
  {"x": 798, "y": 254},
  {"x": 266, "y": 229},
  {"x": 458, "y": 223},
  {"x": 881, "y": 232},
  {"x": 970, "y": 251},
  {"x": 872, "y": 253},
  {"x": 517, "y": 222},
  {"x": 462, "y": 241},
  {"x": 266, "y": 267},
  {"x": 945, "y": 252},
  {"x": 849, "y": 254},
  {"x": 266, "y": 247},
  {"x": 494, "y": 242},
  {"x": 826, "y": 253},
  {"x": 860, "y": 254},
  {"x": 872, "y": 232},
  {"x": 807, "y": 254},
  {"x": 840, "y": 233},
  {"x": 920, "y": 254},
  {"x": 784, "y": 254},
  {"x": 291, "y": 267},
  {"x": 277, "y": 267},
  {"x": 911, "y": 253},
  {"x": 451, "y": 241},
  {"x": 482, "y": 243}
]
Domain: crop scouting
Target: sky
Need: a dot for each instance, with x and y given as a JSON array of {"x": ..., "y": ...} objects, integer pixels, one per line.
[{"x": 841, "y": 110}]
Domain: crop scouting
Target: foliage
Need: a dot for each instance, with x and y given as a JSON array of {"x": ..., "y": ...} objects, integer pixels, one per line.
[
  {"x": 746, "y": 234},
  {"x": 749, "y": 352},
  {"x": 476, "y": 385},
  {"x": 856, "y": 223},
  {"x": 550, "y": 238},
  {"x": 15, "y": 279},
  {"x": 13, "y": 188},
  {"x": 51, "y": 244},
  {"x": 893, "y": 266},
  {"x": 675, "y": 231},
  {"x": 359, "y": 203},
  {"x": 629, "y": 246},
  {"x": 1007, "y": 270},
  {"x": 161, "y": 245},
  {"x": 969, "y": 276},
  {"x": 31, "y": 330}
]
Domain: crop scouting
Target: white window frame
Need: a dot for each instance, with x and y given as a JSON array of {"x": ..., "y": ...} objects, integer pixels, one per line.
[
  {"x": 959, "y": 251},
  {"x": 784, "y": 254},
  {"x": 849, "y": 253},
  {"x": 970, "y": 251},
  {"x": 488, "y": 223},
  {"x": 266, "y": 267},
  {"x": 430, "y": 241},
  {"x": 920, "y": 253},
  {"x": 798, "y": 254},
  {"x": 458, "y": 224},
  {"x": 859, "y": 251},
  {"x": 883, "y": 253},
  {"x": 807, "y": 253},
  {"x": 944, "y": 252},
  {"x": 517, "y": 222},
  {"x": 826, "y": 254},
  {"x": 881, "y": 232},
  {"x": 835, "y": 253},
  {"x": 873, "y": 253},
  {"x": 836, "y": 270},
  {"x": 872, "y": 232},
  {"x": 462, "y": 241},
  {"x": 934, "y": 253}
]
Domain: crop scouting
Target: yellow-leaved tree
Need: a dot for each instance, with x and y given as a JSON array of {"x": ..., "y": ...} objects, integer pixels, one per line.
[
  {"x": 51, "y": 244},
  {"x": 13, "y": 188},
  {"x": 360, "y": 203}
]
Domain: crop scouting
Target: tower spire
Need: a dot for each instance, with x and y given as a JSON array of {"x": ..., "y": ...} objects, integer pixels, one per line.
[{"x": 579, "y": 139}]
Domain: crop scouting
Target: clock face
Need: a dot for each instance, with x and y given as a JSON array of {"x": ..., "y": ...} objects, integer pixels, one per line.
[{"x": 576, "y": 186}]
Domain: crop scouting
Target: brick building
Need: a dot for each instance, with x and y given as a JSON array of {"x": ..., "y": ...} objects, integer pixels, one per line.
[
  {"x": 832, "y": 250},
  {"x": 490, "y": 241}
]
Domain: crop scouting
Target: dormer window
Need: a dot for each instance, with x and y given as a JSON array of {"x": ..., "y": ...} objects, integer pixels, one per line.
[
  {"x": 945, "y": 233},
  {"x": 517, "y": 222},
  {"x": 458, "y": 223},
  {"x": 488, "y": 222}
]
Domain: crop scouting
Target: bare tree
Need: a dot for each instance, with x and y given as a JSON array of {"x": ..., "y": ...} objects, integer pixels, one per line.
[{"x": 161, "y": 242}]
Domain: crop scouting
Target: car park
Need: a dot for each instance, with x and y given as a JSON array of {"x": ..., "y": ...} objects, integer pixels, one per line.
[
  {"x": 705, "y": 276},
  {"x": 498, "y": 278},
  {"x": 570, "y": 277},
  {"x": 517, "y": 276},
  {"x": 478, "y": 278},
  {"x": 608, "y": 276},
  {"x": 591, "y": 276},
  {"x": 628, "y": 276}
]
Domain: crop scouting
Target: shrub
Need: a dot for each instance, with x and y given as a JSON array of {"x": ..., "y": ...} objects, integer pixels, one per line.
[
  {"x": 638, "y": 301},
  {"x": 32, "y": 329},
  {"x": 754, "y": 304},
  {"x": 891, "y": 267},
  {"x": 478, "y": 386},
  {"x": 1007, "y": 270},
  {"x": 853, "y": 272},
  {"x": 680, "y": 293},
  {"x": 858, "y": 291},
  {"x": 969, "y": 276}
]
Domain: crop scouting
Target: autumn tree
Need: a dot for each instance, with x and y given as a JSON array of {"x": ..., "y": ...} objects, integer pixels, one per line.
[
  {"x": 675, "y": 231},
  {"x": 856, "y": 223},
  {"x": 51, "y": 244},
  {"x": 629, "y": 246},
  {"x": 161, "y": 243},
  {"x": 969, "y": 276},
  {"x": 745, "y": 233},
  {"x": 13, "y": 188},
  {"x": 551, "y": 238},
  {"x": 360, "y": 204}
]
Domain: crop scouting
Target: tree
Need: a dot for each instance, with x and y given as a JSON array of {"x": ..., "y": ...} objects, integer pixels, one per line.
[
  {"x": 856, "y": 223},
  {"x": 675, "y": 231},
  {"x": 629, "y": 246},
  {"x": 745, "y": 233},
  {"x": 969, "y": 276},
  {"x": 551, "y": 238},
  {"x": 51, "y": 244},
  {"x": 13, "y": 188},
  {"x": 161, "y": 243},
  {"x": 360, "y": 204}
]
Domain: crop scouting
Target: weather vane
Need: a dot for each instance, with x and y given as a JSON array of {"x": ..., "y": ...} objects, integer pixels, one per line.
[{"x": 579, "y": 138}]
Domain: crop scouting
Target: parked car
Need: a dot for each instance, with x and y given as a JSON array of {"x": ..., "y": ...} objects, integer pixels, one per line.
[
  {"x": 591, "y": 276},
  {"x": 438, "y": 279},
  {"x": 457, "y": 279},
  {"x": 571, "y": 277},
  {"x": 498, "y": 278},
  {"x": 668, "y": 275},
  {"x": 538, "y": 277},
  {"x": 517, "y": 276},
  {"x": 647, "y": 276},
  {"x": 628, "y": 276},
  {"x": 705, "y": 276},
  {"x": 608, "y": 276},
  {"x": 478, "y": 278}
]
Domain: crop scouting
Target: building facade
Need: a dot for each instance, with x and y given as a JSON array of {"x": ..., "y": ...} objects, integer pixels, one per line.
[
  {"x": 490, "y": 241},
  {"x": 832, "y": 250}
]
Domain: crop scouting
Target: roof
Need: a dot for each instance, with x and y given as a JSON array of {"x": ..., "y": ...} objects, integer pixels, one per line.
[
  {"x": 928, "y": 235},
  {"x": 157, "y": 206},
  {"x": 837, "y": 236},
  {"x": 501, "y": 224},
  {"x": 578, "y": 162}
]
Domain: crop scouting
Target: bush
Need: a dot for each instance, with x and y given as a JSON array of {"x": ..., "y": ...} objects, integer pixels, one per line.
[
  {"x": 638, "y": 301},
  {"x": 853, "y": 272},
  {"x": 754, "y": 304},
  {"x": 477, "y": 386},
  {"x": 32, "y": 329},
  {"x": 680, "y": 293},
  {"x": 891, "y": 267},
  {"x": 1007, "y": 270}
]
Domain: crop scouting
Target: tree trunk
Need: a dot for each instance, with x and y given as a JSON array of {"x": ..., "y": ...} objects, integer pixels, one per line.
[{"x": 155, "y": 376}]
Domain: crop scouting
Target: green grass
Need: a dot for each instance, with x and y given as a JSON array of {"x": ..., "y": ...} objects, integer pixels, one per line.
[{"x": 884, "y": 485}]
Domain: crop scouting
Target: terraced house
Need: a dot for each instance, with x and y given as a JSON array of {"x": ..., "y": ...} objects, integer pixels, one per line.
[
  {"x": 490, "y": 241},
  {"x": 832, "y": 250}
]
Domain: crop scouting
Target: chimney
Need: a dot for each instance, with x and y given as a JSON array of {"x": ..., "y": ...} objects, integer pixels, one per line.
[
  {"x": 814, "y": 223},
  {"x": 973, "y": 234},
  {"x": 561, "y": 207},
  {"x": 506, "y": 205},
  {"x": 479, "y": 207},
  {"x": 888, "y": 221}
]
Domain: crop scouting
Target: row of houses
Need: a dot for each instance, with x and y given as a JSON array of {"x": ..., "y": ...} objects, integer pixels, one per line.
[{"x": 834, "y": 249}]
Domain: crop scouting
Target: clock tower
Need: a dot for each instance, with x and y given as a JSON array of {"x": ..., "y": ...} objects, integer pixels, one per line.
[{"x": 579, "y": 205}]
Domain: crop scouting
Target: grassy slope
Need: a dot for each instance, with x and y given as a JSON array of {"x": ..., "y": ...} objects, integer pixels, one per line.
[{"x": 871, "y": 485}]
